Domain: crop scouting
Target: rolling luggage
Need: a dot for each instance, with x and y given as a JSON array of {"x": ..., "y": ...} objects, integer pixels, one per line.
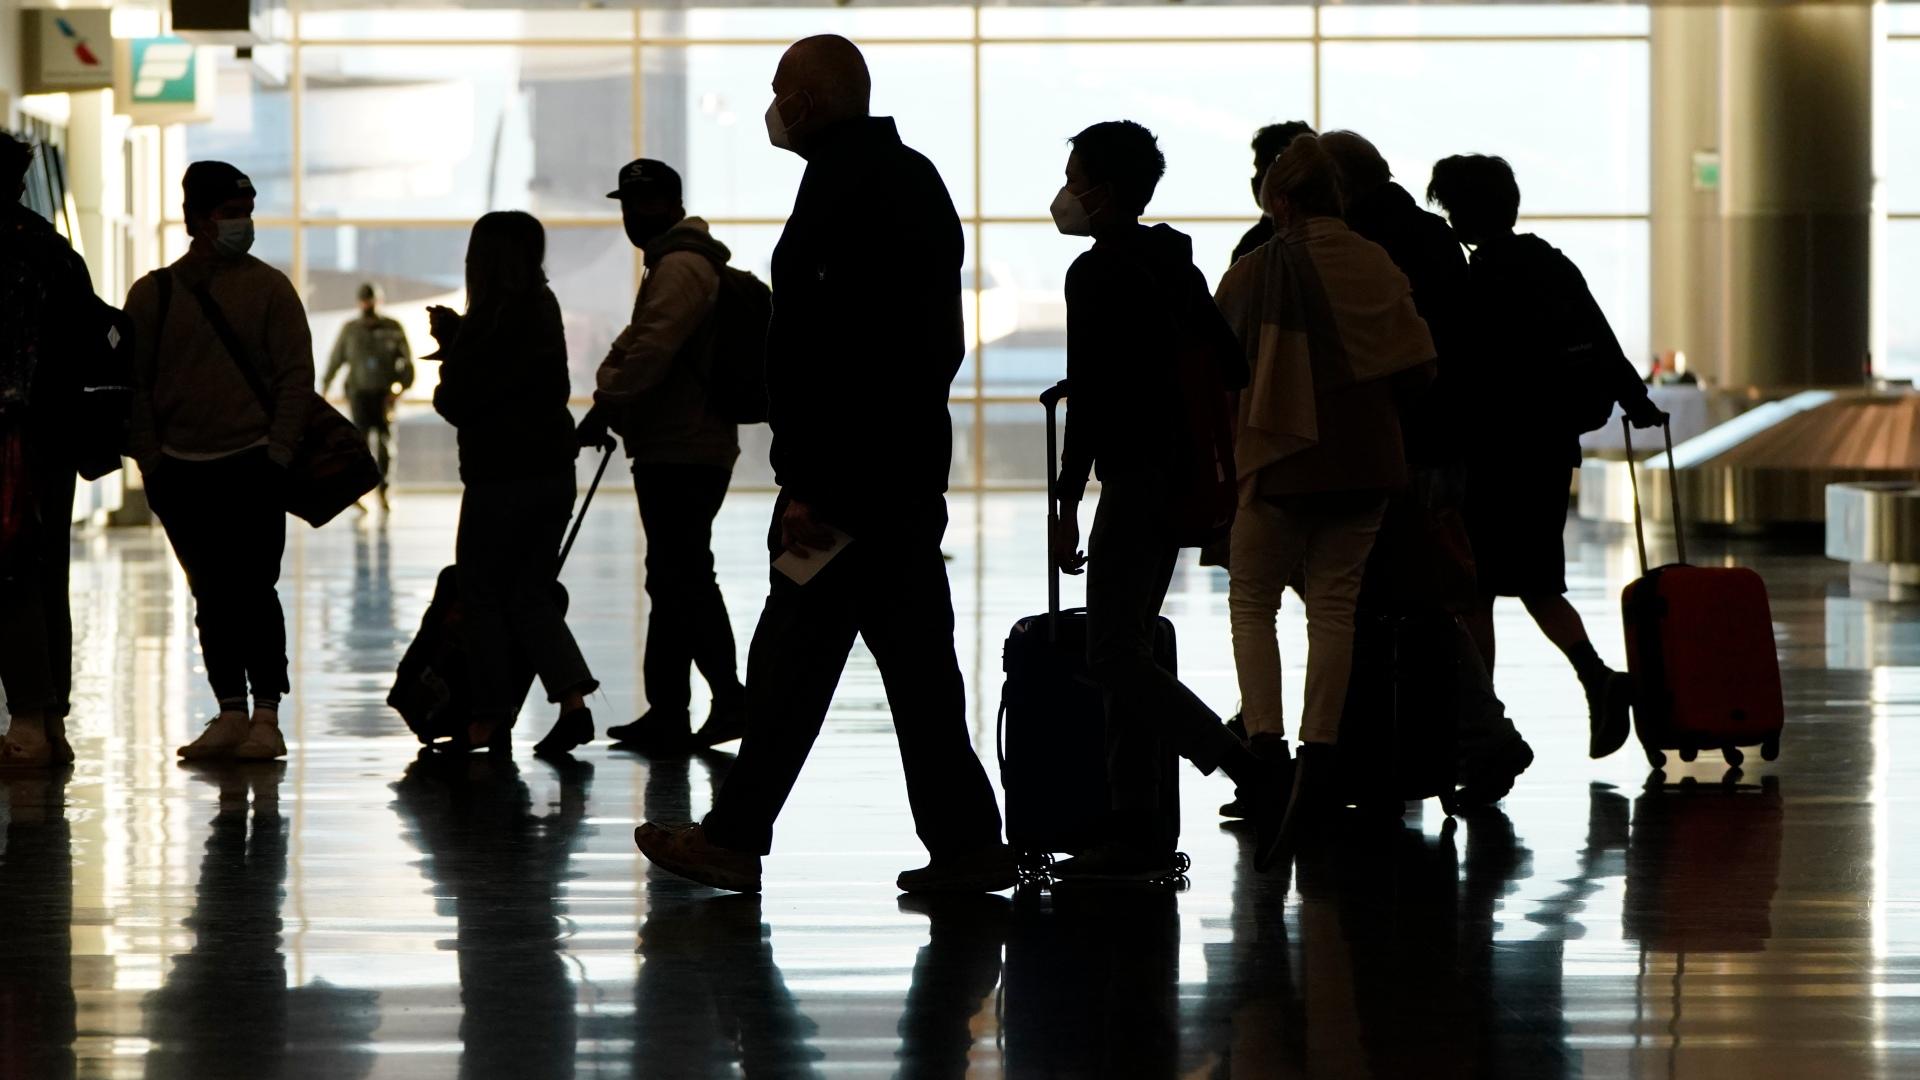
[
  {"x": 1399, "y": 730},
  {"x": 1700, "y": 648},
  {"x": 432, "y": 689},
  {"x": 1052, "y": 728}
]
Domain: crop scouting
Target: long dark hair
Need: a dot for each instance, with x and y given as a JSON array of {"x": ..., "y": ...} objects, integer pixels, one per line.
[{"x": 506, "y": 257}]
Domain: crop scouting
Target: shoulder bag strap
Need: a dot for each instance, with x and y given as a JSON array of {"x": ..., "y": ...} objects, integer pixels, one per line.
[{"x": 224, "y": 330}]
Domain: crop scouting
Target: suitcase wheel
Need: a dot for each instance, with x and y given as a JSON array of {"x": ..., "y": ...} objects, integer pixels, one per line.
[
  {"x": 1770, "y": 750},
  {"x": 1656, "y": 759},
  {"x": 1689, "y": 754},
  {"x": 1734, "y": 756}
]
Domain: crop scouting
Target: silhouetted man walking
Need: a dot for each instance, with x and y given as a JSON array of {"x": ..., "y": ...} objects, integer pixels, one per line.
[
  {"x": 373, "y": 351},
  {"x": 865, "y": 342}
]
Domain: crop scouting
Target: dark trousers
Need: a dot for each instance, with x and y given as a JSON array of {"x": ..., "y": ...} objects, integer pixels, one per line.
[
  {"x": 688, "y": 626},
  {"x": 891, "y": 590},
  {"x": 1130, "y": 559},
  {"x": 508, "y": 554},
  {"x": 371, "y": 417},
  {"x": 228, "y": 530},
  {"x": 36, "y": 620}
]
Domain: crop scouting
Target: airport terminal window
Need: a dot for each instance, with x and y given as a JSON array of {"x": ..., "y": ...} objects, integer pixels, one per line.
[
  {"x": 1897, "y": 114},
  {"x": 503, "y": 107}
]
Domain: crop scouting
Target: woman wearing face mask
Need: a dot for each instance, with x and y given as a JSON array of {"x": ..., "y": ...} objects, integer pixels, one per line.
[
  {"x": 504, "y": 385},
  {"x": 213, "y": 453}
]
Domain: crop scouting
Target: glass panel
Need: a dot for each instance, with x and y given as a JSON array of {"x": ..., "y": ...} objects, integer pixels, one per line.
[
  {"x": 1614, "y": 257},
  {"x": 1203, "y": 101},
  {"x": 1423, "y": 20},
  {"x": 1184, "y": 21},
  {"x": 251, "y": 129},
  {"x": 455, "y": 131},
  {"x": 1900, "y": 279},
  {"x": 1900, "y": 119},
  {"x": 705, "y": 109},
  {"x": 1574, "y": 150},
  {"x": 472, "y": 22},
  {"x": 1903, "y": 18},
  {"x": 794, "y": 22},
  {"x": 591, "y": 270}
]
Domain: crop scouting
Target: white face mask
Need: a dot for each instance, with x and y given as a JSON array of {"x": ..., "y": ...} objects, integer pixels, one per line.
[
  {"x": 779, "y": 132},
  {"x": 233, "y": 236},
  {"x": 1070, "y": 215}
]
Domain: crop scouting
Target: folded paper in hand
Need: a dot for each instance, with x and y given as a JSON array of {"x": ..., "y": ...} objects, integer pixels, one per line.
[{"x": 802, "y": 570}]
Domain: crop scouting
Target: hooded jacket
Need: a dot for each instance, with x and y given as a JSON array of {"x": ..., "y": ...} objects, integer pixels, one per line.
[
  {"x": 504, "y": 386},
  {"x": 1129, "y": 297},
  {"x": 652, "y": 373}
]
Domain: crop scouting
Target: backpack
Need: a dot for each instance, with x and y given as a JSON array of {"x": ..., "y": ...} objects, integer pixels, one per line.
[
  {"x": 1209, "y": 367},
  {"x": 734, "y": 369}
]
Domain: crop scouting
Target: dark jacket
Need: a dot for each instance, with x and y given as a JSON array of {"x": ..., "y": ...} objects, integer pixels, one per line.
[
  {"x": 46, "y": 298},
  {"x": 1131, "y": 300},
  {"x": 1423, "y": 246},
  {"x": 504, "y": 385},
  {"x": 867, "y": 333},
  {"x": 1534, "y": 313},
  {"x": 1254, "y": 239}
]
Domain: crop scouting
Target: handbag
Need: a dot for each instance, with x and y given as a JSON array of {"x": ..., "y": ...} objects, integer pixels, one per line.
[{"x": 331, "y": 467}]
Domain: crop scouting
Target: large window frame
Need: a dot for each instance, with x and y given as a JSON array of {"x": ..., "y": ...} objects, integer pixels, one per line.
[{"x": 977, "y": 397}]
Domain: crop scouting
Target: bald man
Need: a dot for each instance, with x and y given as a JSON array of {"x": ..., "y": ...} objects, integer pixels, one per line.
[{"x": 865, "y": 342}]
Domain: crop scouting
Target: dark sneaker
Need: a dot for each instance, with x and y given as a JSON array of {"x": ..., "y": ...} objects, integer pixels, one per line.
[
  {"x": 725, "y": 723},
  {"x": 1119, "y": 864},
  {"x": 685, "y": 850},
  {"x": 1494, "y": 779},
  {"x": 987, "y": 870},
  {"x": 570, "y": 732},
  {"x": 1609, "y": 713},
  {"x": 1240, "y": 808},
  {"x": 655, "y": 735}
]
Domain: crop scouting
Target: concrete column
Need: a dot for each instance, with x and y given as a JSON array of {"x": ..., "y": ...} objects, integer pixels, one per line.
[
  {"x": 96, "y": 175},
  {"x": 1765, "y": 283}
]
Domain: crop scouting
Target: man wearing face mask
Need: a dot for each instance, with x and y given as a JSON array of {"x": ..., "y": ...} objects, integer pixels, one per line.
[
  {"x": 865, "y": 342},
  {"x": 214, "y": 455},
  {"x": 649, "y": 389}
]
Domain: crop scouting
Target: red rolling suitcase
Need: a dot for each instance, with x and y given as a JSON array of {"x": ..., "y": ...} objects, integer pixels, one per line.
[{"x": 1700, "y": 647}]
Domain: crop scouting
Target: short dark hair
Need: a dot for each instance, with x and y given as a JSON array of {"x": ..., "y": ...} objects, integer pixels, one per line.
[
  {"x": 16, "y": 157},
  {"x": 1476, "y": 190},
  {"x": 1271, "y": 141},
  {"x": 1124, "y": 156}
]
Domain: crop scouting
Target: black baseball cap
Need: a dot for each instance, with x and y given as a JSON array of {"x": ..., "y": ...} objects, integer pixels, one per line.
[
  {"x": 207, "y": 184},
  {"x": 647, "y": 179}
]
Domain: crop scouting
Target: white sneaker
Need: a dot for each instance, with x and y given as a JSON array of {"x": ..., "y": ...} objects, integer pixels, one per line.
[
  {"x": 263, "y": 742},
  {"x": 223, "y": 734}
]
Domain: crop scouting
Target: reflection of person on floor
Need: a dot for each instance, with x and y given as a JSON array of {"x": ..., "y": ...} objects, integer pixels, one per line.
[
  {"x": 502, "y": 865},
  {"x": 953, "y": 979},
  {"x": 373, "y": 351},
  {"x": 225, "y": 1010},
  {"x": 37, "y": 1006}
]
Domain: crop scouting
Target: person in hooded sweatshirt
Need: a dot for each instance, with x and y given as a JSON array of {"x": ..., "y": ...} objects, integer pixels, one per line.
[
  {"x": 1335, "y": 345},
  {"x": 1542, "y": 340},
  {"x": 683, "y": 451},
  {"x": 1129, "y": 298}
]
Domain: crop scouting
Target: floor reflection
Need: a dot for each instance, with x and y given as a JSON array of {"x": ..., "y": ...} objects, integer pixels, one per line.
[{"x": 364, "y": 913}]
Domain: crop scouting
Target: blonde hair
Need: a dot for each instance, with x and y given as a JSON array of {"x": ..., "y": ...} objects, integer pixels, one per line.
[{"x": 1308, "y": 177}]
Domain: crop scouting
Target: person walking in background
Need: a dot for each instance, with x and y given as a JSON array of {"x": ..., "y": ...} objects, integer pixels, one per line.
[
  {"x": 1268, "y": 144},
  {"x": 650, "y": 389},
  {"x": 866, "y": 339},
  {"x": 45, "y": 293},
  {"x": 213, "y": 456},
  {"x": 1548, "y": 357},
  {"x": 1335, "y": 342},
  {"x": 1134, "y": 302},
  {"x": 373, "y": 351},
  {"x": 504, "y": 386}
]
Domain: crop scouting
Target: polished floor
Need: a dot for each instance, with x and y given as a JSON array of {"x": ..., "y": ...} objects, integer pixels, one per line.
[{"x": 355, "y": 913}]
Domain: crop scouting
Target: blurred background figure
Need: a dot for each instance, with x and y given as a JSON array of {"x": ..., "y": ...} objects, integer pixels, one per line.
[
  {"x": 1268, "y": 144},
  {"x": 374, "y": 352}
]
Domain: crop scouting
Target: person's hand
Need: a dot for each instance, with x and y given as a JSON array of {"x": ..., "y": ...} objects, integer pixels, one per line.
[
  {"x": 801, "y": 533},
  {"x": 443, "y": 323},
  {"x": 593, "y": 431},
  {"x": 1066, "y": 542},
  {"x": 1645, "y": 414}
]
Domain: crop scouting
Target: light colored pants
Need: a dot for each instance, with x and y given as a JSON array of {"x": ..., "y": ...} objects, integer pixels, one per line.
[{"x": 1327, "y": 538}]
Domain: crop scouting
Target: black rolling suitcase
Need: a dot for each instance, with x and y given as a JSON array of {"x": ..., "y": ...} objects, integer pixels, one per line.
[
  {"x": 1399, "y": 731},
  {"x": 1052, "y": 737},
  {"x": 432, "y": 690}
]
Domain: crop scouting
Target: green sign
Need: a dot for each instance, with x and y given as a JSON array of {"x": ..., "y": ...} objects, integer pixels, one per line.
[
  {"x": 1706, "y": 170},
  {"x": 163, "y": 71}
]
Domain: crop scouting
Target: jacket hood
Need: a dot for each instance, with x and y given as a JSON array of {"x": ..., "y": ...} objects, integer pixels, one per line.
[{"x": 692, "y": 234}]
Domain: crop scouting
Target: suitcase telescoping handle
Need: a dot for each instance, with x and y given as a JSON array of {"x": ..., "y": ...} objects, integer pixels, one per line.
[
  {"x": 580, "y": 515},
  {"x": 1673, "y": 490},
  {"x": 1050, "y": 398}
]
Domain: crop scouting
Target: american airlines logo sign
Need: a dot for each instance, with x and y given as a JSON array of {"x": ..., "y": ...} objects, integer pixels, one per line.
[{"x": 163, "y": 71}]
